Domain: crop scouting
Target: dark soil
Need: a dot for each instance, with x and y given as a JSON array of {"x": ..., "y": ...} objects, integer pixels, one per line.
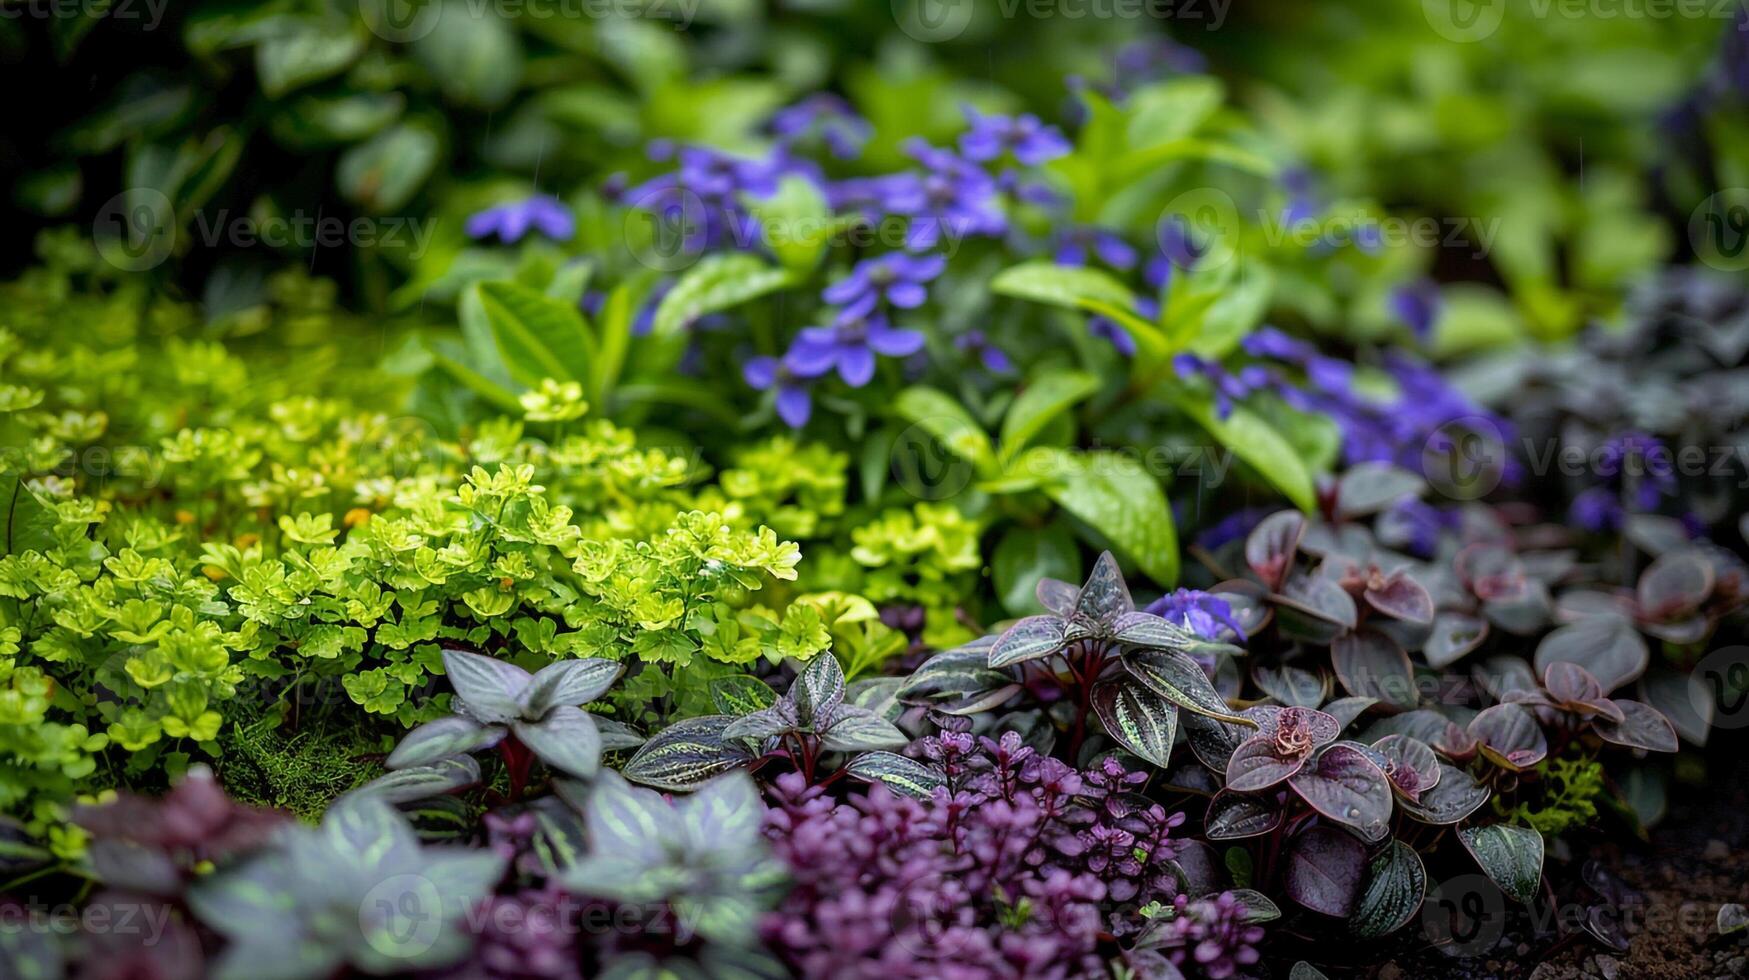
[{"x": 1664, "y": 892}]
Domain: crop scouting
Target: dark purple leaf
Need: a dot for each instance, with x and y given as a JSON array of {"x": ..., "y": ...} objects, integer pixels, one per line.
[
  {"x": 1372, "y": 665},
  {"x": 1140, "y": 629},
  {"x": 1454, "y": 635},
  {"x": 1346, "y": 786},
  {"x": 1324, "y": 870},
  {"x": 1509, "y": 736},
  {"x": 1181, "y": 680},
  {"x": 1346, "y": 710},
  {"x": 1610, "y": 648},
  {"x": 1106, "y": 596},
  {"x": 1232, "y": 816},
  {"x": 1401, "y": 597},
  {"x": 1271, "y": 547},
  {"x": 442, "y": 738},
  {"x": 1256, "y": 765},
  {"x": 1410, "y": 765},
  {"x": 1642, "y": 727},
  {"x": 572, "y": 682},
  {"x": 1453, "y": 798},
  {"x": 1674, "y": 585},
  {"x": 1368, "y": 488},
  {"x": 1291, "y": 685},
  {"x": 1057, "y": 596}
]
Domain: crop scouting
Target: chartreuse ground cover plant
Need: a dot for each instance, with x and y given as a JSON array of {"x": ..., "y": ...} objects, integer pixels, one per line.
[{"x": 817, "y": 494}]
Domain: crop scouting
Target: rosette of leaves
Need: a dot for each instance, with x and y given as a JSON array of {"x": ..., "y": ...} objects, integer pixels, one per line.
[
  {"x": 819, "y": 714},
  {"x": 702, "y": 856},
  {"x": 1133, "y": 670},
  {"x": 357, "y": 891},
  {"x": 526, "y": 716},
  {"x": 1572, "y": 700}
]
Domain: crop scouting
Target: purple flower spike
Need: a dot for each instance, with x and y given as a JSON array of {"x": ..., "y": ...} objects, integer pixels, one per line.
[
  {"x": 897, "y": 277},
  {"x": 1203, "y": 613},
  {"x": 1078, "y": 243},
  {"x": 974, "y": 342},
  {"x": 850, "y": 345},
  {"x": 1031, "y": 141},
  {"x": 1108, "y": 329},
  {"x": 1418, "y": 305},
  {"x": 794, "y": 405},
  {"x": 547, "y": 215},
  {"x": 955, "y": 199}
]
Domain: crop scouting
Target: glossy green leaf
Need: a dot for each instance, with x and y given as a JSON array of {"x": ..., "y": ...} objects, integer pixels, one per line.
[
  {"x": 534, "y": 335},
  {"x": 741, "y": 694},
  {"x": 1396, "y": 884},
  {"x": 1043, "y": 399},
  {"x": 686, "y": 754},
  {"x": 1511, "y": 857},
  {"x": 907, "y": 777},
  {"x": 1118, "y": 498},
  {"x": 718, "y": 282},
  {"x": 1141, "y": 721}
]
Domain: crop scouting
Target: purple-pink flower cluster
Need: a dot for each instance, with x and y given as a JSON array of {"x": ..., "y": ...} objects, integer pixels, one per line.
[{"x": 1019, "y": 866}]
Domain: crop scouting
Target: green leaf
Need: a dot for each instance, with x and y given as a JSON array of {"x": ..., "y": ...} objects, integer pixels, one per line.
[
  {"x": 1141, "y": 721},
  {"x": 1512, "y": 857},
  {"x": 1042, "y": 400},
  {"x": 907, "y": 777},
  {"x": 1070, "y": 287},
  {"x": 861, "y": 730},
  {"x": 1139, "y": 163},
  {"x": 422, "y": 782},
  {"x": 1115, "y": 496},
  {"x": 718, "y": 282},
  {"x": 436, "y": 740},
  {"x": 1027, "y": 554},
  {"x": 1257, "y": 443},
  {"x": 1395, "y": 886},
  {"x": 686, "y": 754},
  {"x": 1240, "y": 308},
  {"x": 534, "y": 335},
  {"x": 741, "y": 694},
  {"x": 945, "y": 419},
  {"x": 304, "y": 50},
  {"x": 795, "y": 223},
  {"x": 1180, "y": 680},
  {"x": 383, "y": 173},
  {"x": 474, "y": 56}
]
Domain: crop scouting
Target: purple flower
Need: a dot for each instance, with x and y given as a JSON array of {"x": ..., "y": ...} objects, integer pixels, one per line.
[
  {"x": 1228, "y": 387},
  {"x": 793, "y": 402},
  {"x": 703, "y": 199},
  {"x": 1596, "y": 509},
  {"x": 1233, "y": 527},
  {"x": 1267, "y": 341},
  {"x": 1214, "y": 933},
  {"x": 827, "y": 115},
  {"x": 1076, "y": 244},
  {"x": 1105, "y": 328},
  {"x": 850, "y": 344},
  {"x": 547, "y": 215},
  {"x": 876, "y": 197},
  {"x": 1418, "y": 305},
  {"x": 896, "y": 277},
  {"x": 1031, "y": 141},
  {"x": 974, "y": 343},
  {"x": 957, "y": 199},
  {"x": 1202, "y": 613}
]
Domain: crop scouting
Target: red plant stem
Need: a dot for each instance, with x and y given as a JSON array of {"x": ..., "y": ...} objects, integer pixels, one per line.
[{"x": 517, "y": 761}]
